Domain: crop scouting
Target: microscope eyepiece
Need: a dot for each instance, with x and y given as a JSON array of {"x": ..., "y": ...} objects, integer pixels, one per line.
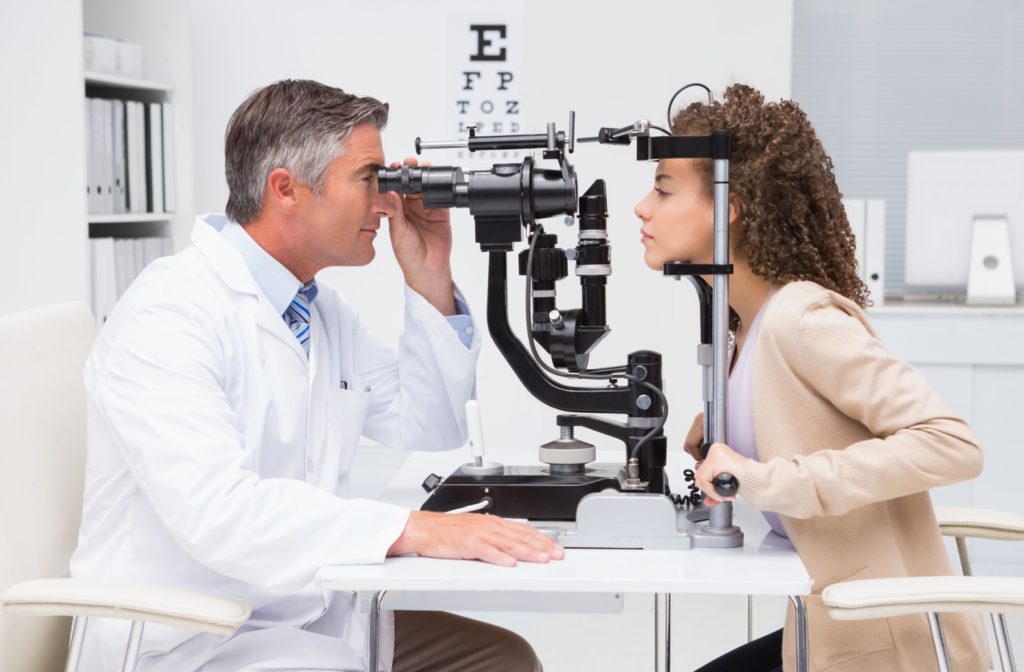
[
  {"x": 508, "y": 189},
  {"x": 441, "y": 186}
]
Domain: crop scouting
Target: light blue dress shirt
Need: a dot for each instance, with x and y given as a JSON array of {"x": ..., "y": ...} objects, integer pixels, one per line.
[{"x": 280, "y": 286}]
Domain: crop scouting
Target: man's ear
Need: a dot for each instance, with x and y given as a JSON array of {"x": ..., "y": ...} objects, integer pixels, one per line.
[{"x": 281, "y": 186}]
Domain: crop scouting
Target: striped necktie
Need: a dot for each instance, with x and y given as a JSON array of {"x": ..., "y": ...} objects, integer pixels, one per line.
[{"x": 298, "y": 312}]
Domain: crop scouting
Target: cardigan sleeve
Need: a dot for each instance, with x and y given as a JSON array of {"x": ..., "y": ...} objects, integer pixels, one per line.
[{"x": 919, "y": 442}]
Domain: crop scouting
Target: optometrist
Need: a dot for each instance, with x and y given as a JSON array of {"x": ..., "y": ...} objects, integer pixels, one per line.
[{"x": 228, "y": 391}]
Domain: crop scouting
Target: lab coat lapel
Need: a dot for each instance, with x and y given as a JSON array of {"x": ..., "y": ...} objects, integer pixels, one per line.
[{"x": 231, "y": 268}]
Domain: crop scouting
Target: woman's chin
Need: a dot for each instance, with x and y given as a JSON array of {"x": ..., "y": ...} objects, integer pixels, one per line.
[{"x": 652, "y": 261}]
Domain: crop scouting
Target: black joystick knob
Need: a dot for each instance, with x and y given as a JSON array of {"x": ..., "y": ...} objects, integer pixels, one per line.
[
  {"x": 431, "y": 482},
  {"x": 726, "y": 485}
]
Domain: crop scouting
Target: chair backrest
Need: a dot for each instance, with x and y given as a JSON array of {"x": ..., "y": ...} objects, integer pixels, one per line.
[{"x": 42, "y": 462}]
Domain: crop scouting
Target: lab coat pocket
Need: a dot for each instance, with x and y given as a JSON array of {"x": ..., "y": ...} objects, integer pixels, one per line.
[{"x": 344, "y": 417}]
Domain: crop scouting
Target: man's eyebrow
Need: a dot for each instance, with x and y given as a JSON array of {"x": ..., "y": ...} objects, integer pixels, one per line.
[{"x": 370, "y": 167}]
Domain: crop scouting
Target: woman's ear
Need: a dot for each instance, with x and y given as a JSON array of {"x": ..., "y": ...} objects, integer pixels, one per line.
[{"x": 735, "y": 211}]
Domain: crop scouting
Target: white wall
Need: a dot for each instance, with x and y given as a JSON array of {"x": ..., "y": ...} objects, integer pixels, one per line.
[
  {"x": 43, "y": 253},
  {"x": 609, "y": 67}
]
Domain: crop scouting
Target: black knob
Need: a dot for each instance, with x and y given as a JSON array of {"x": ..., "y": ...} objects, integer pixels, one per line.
[
  {"x": 549, "y": 263},
  {"x": 431, "y": 482},
  {"x": 726, "y": 485}
]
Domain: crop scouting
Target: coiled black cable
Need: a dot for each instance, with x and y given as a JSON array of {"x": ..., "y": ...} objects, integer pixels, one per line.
[{"x": 696, "y": 496}]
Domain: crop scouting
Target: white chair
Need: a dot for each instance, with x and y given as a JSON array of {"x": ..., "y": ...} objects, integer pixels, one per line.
[
  {"x": 997, "y": 596},
  {"x": 42, "y": 461}
]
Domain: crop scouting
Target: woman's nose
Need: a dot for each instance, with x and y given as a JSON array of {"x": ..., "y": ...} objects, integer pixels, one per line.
[{"x": 642, "y": 211}]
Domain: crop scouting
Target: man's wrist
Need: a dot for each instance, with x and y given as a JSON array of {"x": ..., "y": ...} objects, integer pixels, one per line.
[
  {"x": 438, "y": 291},
  {"x": 406, "y": 543}
]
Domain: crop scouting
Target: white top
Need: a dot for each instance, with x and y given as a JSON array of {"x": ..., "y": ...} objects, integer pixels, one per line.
[{"x": 739, "y": 416}]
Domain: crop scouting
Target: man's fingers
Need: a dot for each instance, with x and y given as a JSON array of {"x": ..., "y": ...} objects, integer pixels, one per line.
[
  {"x": 494, "y": 555},
  {"x": 521, "y": 549},
  {"x": 540, "y": 540},
  {"x": 526, "y": 543}
]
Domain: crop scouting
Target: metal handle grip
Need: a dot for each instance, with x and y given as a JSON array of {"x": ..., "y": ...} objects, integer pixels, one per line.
[{"x": 726, "y": 485}]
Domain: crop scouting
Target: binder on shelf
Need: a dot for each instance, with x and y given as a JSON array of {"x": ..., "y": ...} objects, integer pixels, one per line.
[
  {"x": 155, "y": 163},
  {"x": 95, "y": 156},
  {"x": 107, "y": 155},
  {"x": 116, "y": 263},
  {"x": 140, "y": 128},
  {"x": 87, "y": 109},
  {"x": 170, "y": 181},
  {"x": 867, "y": 221},
  {"x": 135, "y": 156},
  {"x": 122, "y": 264},
  {"x": 104, "y": 279},
  {"x": 153, "y": 249},
  {"x": 120, "y": 180}
]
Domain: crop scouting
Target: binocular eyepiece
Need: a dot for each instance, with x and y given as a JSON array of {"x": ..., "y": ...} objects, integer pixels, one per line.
[
  {"x": 442, "y": 187},
  {"x": 506, "y": 190}
]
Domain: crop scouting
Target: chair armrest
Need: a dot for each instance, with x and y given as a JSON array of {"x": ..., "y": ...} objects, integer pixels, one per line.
[
  {"x": 133, "y": 601},
  {"x": 981, "y": 523},
  {"x": 883, "y": 598}
]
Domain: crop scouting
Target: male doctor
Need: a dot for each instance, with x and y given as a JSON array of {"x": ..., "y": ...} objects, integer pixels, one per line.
[{"x": 228, "y": 391}]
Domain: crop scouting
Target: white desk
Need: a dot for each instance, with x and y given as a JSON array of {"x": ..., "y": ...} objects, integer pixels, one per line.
[{"x": 766, "y": 565}]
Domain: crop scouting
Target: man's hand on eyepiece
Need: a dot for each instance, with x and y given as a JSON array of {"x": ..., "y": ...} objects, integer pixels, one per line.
[{"x": 422, "y": 242}]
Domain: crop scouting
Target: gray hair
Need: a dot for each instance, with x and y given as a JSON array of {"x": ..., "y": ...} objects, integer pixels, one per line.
[{"x": 300, "y": 125}]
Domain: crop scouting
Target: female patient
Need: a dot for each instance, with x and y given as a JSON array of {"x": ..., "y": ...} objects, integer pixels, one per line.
[{"x": 834, "y": 439}]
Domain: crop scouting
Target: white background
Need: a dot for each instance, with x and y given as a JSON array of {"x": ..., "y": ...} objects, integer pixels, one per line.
[{"x": 612, "y": 67}]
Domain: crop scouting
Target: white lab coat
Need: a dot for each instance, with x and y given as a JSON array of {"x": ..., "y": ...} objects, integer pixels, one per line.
[{"x": 218, "y": 455}]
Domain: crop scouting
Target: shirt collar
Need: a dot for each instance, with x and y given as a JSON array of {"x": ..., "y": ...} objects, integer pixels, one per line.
[{"x": 276, "y": 281}]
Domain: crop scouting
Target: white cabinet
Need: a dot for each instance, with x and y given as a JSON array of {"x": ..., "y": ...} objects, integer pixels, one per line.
[{"x": 974, "y": 357}]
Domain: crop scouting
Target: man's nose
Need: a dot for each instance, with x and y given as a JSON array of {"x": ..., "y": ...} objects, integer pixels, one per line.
[{"x": 386, "y": 204}]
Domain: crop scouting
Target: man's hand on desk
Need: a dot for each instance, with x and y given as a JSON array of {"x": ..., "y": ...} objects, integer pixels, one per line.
[{"x": 472, "y": 536}]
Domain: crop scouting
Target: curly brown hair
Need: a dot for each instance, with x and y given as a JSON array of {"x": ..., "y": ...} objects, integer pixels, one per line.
[{"x": 791, "y": 223}]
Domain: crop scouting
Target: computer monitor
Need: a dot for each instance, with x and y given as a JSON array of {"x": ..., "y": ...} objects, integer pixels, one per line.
[{"x": 946, "y": 192}]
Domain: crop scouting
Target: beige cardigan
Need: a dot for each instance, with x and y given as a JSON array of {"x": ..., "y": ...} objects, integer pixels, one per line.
[{"x": 850, "y": 440}]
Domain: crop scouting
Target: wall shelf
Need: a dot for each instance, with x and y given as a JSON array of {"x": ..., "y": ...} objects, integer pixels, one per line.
[
  {"x": 121, "y": 82},
  {"x": 129, "y": 218}
]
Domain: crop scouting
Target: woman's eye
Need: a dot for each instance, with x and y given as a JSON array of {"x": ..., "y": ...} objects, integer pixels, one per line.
[{"x": 661, "y": 192}]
